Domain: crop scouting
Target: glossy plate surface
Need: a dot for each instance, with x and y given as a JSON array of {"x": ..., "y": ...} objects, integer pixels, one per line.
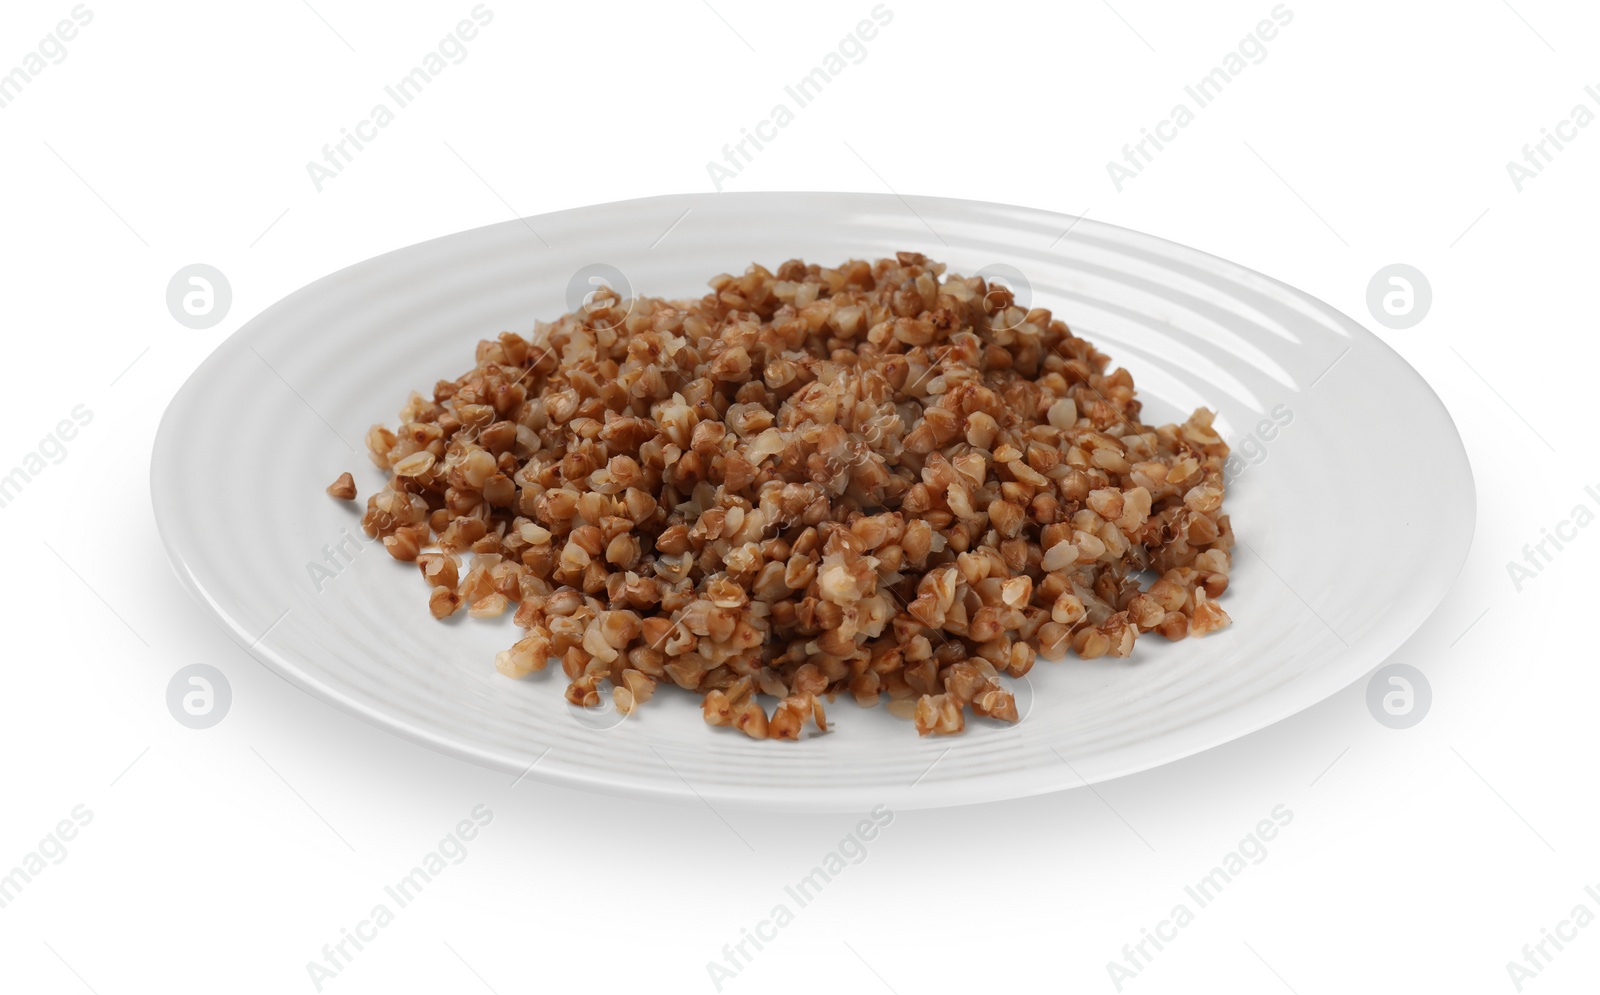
[{"x": 1304, "y": 394}]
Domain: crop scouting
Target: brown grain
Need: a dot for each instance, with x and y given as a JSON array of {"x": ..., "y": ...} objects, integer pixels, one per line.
[{"x": 872, "y": 479}]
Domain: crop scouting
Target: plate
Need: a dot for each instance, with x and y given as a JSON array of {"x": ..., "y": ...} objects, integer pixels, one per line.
[{"x": 1347, "y": 462}]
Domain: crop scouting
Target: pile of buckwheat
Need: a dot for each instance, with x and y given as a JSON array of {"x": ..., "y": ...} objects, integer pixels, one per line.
[{"x": 870, "y": 480}]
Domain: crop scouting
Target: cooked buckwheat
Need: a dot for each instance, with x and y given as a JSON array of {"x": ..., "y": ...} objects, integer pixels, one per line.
[
  {"x": 343, "y": 488},
  {"x": 871, "y": 479}
]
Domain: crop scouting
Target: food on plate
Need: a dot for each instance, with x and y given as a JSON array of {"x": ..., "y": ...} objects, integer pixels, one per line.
[
  {"x": 344, "y": 488},
  {"x": 874, "y": 480}
]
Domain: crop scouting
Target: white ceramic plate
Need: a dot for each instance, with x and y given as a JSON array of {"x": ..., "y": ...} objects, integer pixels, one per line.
[{"x": 1349, "y": 465}]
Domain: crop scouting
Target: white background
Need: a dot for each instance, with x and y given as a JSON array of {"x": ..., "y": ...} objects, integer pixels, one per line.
[{"x": 223, "y": 860}]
